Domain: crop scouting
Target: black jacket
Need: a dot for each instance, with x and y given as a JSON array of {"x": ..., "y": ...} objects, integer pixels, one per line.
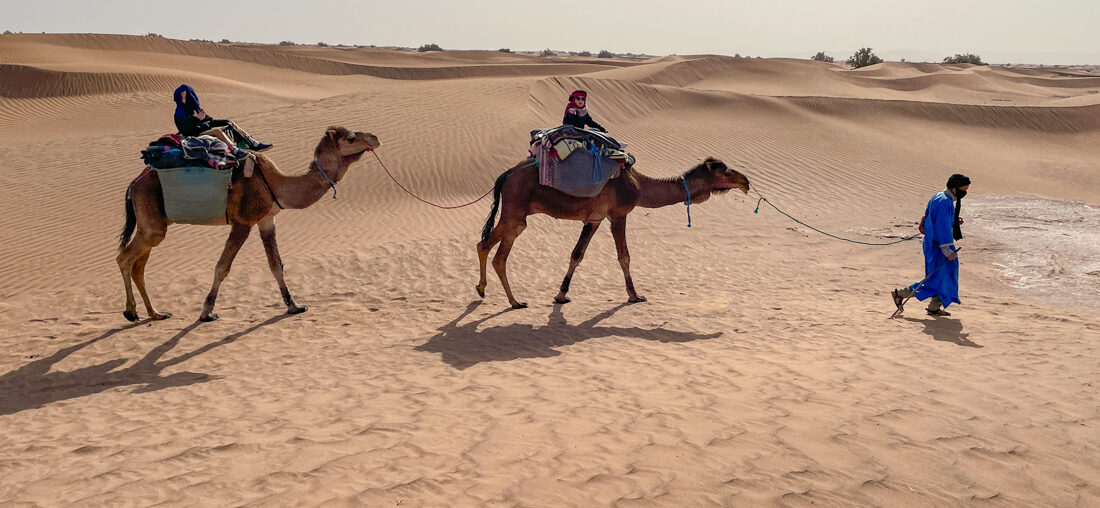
[{"x": 581, "y": 121}]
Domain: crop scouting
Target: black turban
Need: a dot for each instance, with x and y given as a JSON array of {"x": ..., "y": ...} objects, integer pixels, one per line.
[{"x": 957, "y": 181}]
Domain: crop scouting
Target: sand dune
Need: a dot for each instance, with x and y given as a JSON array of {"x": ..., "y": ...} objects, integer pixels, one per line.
[{"x": 762, "y": 371}]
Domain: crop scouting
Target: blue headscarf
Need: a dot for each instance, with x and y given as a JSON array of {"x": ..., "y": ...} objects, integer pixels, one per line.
[{"x": 192, "y": 104}]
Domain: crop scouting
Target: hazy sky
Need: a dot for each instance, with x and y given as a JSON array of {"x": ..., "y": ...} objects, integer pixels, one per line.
[{"x": 1032, "y": 31}]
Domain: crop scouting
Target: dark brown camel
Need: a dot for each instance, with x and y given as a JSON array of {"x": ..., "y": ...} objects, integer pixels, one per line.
[
  {"x": 517, "y": 194},
  {"x": 251, "y": 201}
]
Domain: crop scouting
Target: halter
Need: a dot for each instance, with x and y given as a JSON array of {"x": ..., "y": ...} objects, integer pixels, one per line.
[
  {"x": 687, "y": 202},
  {"x": 330, "y": 181}
]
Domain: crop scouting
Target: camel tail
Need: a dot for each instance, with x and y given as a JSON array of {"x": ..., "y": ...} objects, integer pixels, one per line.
[
  {"x": 492, "y": 219},
  {"x": 131, "y": 221}
]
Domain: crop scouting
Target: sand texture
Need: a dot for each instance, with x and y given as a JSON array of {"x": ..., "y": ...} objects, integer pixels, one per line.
[{"x": 763, "y": 370}]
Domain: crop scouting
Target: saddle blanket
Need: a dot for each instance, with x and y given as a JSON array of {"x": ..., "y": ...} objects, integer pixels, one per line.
[{"x": 575, "y": 161}]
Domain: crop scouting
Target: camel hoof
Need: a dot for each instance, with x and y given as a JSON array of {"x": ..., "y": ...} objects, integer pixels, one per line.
[
  {"x": 297, "y": 309},
  {"x": 480, "y": 291},
  {"x": 519, "y": 305},
  {"x": 636, "y": 299},
  {"x": 562, "y": 300},
  {"x": 130, "y": 316},
  {"x": 206, "y": 318},
  {"x": 161, "y": 315}
]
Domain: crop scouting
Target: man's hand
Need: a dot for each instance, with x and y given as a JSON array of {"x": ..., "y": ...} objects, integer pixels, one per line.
[
  {"x": 952, "y": 256},
  {"x": 200, "y": 114}
]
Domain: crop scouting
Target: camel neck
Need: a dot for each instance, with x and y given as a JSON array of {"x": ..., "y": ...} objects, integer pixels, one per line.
[
  {"x": 301, "y": 191},
  {"x": 658, "y": 192}
]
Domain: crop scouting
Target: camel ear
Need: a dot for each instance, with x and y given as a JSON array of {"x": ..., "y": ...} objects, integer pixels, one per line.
[
  {"x": 331, "y": 134},
  {"x": 708, "y": 163}
]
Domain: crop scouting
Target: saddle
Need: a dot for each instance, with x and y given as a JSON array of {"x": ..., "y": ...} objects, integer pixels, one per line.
[{"x": 577, "y": 161}]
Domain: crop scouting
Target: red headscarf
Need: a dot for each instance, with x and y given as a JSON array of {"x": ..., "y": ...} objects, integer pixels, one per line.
[{"x": 577, "y": 93}]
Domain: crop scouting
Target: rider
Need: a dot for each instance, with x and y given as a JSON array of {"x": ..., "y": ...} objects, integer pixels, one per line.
[
  {"x": 191, "y": 120},
  {"x": 576, "y": 114}
]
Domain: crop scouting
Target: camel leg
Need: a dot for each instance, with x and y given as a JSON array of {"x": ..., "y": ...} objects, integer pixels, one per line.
[
  {"x": 126, "y": 258},
  {"x": 574, "y": 260},
  {"x": 138, "y": 274},
  {"x": 131, "y": 261},
  {"x": 232, "y": 246},
  {"x": 267, "y": 234},
  {"x": 483, "y": 256},
  {"x": 618, "y": 230},
  {"x": 500, "y": 261}
]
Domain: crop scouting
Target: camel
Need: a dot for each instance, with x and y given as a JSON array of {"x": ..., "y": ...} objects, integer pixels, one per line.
[
  {"x": 251, "y": 201},
  {"x": 522, "y": 195}
]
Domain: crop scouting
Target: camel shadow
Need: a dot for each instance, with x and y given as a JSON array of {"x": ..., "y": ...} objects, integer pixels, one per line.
[
  {"x": 463, "y": 346},
  {"x": 946, "y": 330},
  {"x": 34, "y": 385}
]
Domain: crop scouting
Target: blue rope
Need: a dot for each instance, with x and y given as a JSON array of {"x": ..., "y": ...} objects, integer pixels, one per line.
[
  {"x": 327, "y": 179},
  {"x": 687, "y": 202},
  {"x": 597, "y": 171}
]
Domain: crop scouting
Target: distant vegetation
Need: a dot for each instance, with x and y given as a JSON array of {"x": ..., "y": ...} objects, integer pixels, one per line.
[
  {"x": 429, "y": 47},
  {"x": 547, "y": 52},
  {"x": 737, "y": 55},
  {"x": 606, "y": 54},
  {"x": 581, "y": 53},
  {"x": 322, "y": 44},
  {"x": 7, "y": 32},
  {"x": 201, "y": 40},
  {"x": 969, "y": 58},
  {"x": 504, "y": 50},
  {"x": 822, "y": 57},
  {"x": 151, "y": 34},
  {"x": 226, "y": 41},
  {"x": 286, "y": 43},
  {"x": 863, "y": 58}
]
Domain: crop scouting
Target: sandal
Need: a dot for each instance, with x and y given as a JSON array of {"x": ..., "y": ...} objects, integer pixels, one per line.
[
  {"x": 938, "y": 312},
  {"x": 898, "y": 300}
]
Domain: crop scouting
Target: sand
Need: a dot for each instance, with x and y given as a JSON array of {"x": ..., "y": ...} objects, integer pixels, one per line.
[{"x": 761, "y": 372}]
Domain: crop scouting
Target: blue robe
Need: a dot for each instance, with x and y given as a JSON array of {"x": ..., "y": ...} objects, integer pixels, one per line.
[{"x": 943, "y": 275}]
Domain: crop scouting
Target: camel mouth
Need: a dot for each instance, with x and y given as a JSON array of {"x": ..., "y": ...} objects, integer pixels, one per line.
[{"x": 348, "y": 159}]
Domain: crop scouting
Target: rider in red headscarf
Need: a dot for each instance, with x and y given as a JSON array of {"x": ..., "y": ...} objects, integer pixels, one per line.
[{"x": 576, "y": 114}]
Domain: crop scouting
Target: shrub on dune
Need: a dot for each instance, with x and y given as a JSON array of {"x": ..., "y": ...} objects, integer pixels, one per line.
[
  {"x": 429, "y": 47},
  {"x": 822, "y": 57},
  {"x": 606, "y": 54},
  {"x": 863, "y": 58},
  {"x": 968, "y": 58}
]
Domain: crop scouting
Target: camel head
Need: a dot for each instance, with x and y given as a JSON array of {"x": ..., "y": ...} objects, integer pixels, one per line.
[
  {"x": 721, "y": 177},
  {"x": 349, "y": 145}
]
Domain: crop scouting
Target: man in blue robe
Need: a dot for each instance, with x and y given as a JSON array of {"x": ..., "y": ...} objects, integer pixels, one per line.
[{"x": 941, "y": 227}]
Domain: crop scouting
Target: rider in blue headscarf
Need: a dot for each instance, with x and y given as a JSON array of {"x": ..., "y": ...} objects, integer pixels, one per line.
[
  {"x": 941, "y": 227},
  {"x": 191, "y": 120}
]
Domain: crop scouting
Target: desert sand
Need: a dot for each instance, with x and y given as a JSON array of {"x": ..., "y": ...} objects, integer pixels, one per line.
[{"x": 763, "y": 370}]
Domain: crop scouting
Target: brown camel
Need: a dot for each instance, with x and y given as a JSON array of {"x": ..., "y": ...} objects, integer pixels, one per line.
[
  {"x": 251, "y": 201},
  {"x": 523, "y": 196}
]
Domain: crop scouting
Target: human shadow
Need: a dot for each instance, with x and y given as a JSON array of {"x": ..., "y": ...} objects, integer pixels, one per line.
[
  {"x": 946, "y": 330},
  {"x": 463, "y": 346},
  {"x": 34, "y": 385}
]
